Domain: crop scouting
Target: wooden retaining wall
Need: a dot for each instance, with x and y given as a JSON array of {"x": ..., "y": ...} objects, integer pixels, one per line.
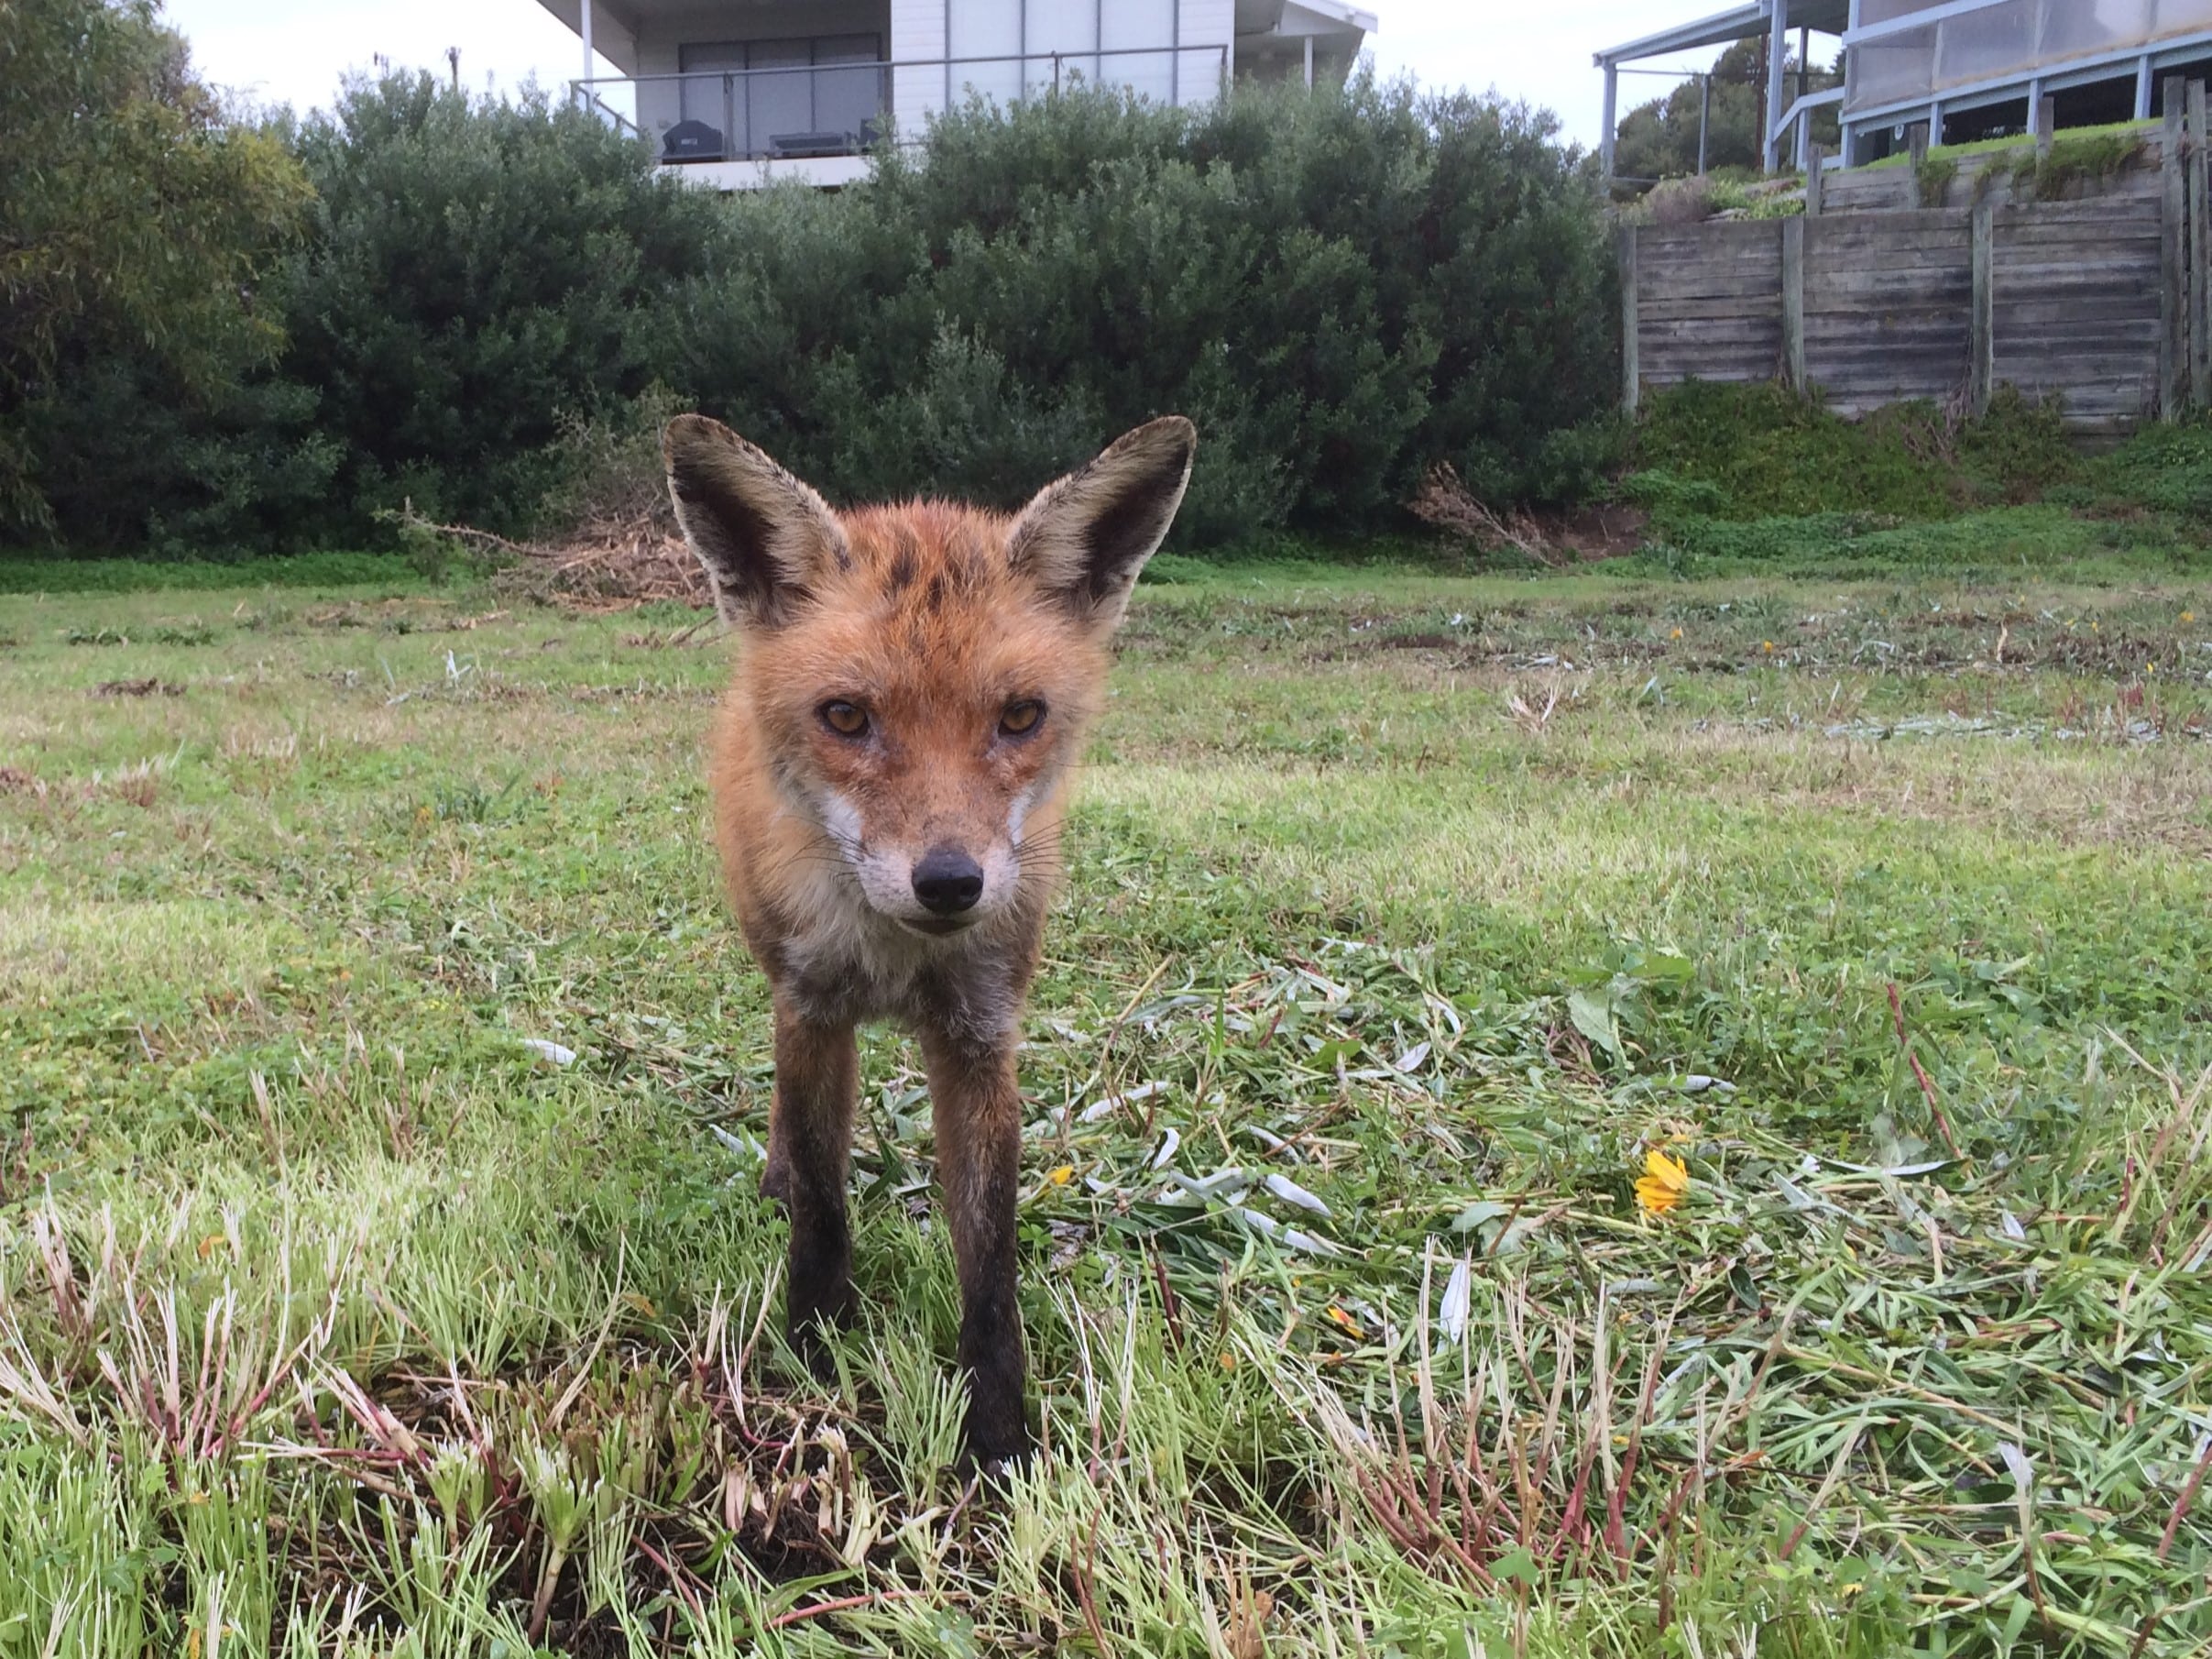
[
  {"x": 2106, "y": 302},
  {"x": 1984, "y": 177}
]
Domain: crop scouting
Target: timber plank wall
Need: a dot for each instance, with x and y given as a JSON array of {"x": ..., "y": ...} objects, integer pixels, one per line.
[
  {"x": 2104, "y": 302},
  {"x": 1979, "y": 178}
]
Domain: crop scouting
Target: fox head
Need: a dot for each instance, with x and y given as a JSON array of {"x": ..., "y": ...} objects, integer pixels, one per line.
[{"x": 921, "y": 677}]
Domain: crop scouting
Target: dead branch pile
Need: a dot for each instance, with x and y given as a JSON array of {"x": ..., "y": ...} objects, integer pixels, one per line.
[
  {"x": 623, "y": 548},
  {"x": 605, "y": 564},
  {"x": 1450, "y": 506}
]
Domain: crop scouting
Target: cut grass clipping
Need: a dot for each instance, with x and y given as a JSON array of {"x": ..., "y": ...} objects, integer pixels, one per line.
[{"x": 1569, "y": 1116}]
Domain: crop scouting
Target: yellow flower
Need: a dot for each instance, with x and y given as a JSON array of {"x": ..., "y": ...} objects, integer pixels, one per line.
[
  {"x": 1678, "y": 633},
  {"x": 1062, "y": 1176},
  {"x": 1661, "y": 1185},
  {"x": 1346, "y": 1321},
  {"x": 2188, "y": 616},
  {"x": 1767, "y": 647},
  {"x": 1228, "y": 1360}
]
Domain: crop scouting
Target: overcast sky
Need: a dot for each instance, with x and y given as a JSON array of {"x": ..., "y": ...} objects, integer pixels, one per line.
[{"x": 294, "y": 51}]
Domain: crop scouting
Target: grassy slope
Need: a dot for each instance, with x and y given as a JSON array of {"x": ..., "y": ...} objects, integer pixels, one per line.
[{"x": 325, "y": 1306}]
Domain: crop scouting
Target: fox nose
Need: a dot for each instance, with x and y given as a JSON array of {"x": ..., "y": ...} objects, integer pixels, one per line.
[{"x": 948, "y": 881}]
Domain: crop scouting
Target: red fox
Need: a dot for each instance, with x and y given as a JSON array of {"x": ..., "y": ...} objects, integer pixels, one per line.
[{"x": 889, "y": 772}]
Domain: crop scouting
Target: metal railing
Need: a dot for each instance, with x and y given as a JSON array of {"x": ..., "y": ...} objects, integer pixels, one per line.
[{"x": 844, "y": 108}]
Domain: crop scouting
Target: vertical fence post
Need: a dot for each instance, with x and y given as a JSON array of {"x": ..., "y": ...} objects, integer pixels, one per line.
[
  {"x": 1916, "y": 153},
  {"x": 1816, "y": 183},
  {"x": 1793, "y": 304},
  {"x": 2173, "y": 280},
  {"x": 1981, "y": 333},
  {"x": 1632, "y": 382},
  {"x": 2200, "y": 239}
]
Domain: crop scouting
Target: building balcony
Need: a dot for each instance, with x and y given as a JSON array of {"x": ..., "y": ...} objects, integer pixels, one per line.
[{"x": 811, "y": 109}]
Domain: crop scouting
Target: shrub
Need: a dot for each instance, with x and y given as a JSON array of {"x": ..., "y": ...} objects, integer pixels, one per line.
[
  {"x": 2161, "y": 468},
  {"x": 1343, "y": 287},
  {"x": 1770, "y": 452},
  {"x": 1339, "y": 287},
  {"x": 480, "y": 272}
]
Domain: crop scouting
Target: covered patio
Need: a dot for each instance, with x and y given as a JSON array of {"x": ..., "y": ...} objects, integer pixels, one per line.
[{"x": 1773, "y": 18}]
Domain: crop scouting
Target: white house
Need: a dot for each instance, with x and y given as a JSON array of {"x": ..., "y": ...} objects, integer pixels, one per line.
[
  {"x": 739, "y": 92},
  {"x": 1965, "y": 68}
]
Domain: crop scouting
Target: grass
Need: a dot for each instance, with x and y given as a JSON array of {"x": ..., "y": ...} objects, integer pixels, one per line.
[
  {"x": 1756, "y": 479},
  {"x": 1411, "y": 916},
  {"x": 28, "y": 574},
  {"x": 2118, "y": 130}
]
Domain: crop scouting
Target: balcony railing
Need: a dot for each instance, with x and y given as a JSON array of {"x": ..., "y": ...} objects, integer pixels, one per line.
[{"x": 844, "y": 108}]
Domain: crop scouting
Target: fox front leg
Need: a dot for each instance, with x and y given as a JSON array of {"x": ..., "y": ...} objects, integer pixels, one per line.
[
  {"x": 810, "y": 1148},
  {"x": 976, "y": 1105}
]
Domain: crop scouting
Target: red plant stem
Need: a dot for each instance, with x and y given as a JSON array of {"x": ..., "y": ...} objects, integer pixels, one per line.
[
  {"x": 691, "y": 1600},
  {"x": 2182, "y": 1503},
  {"x": 1942, "y": 1124},
  {"x": 1170, "y": 1305},
  {"x": 844, "y": 1604},
  {"x": 1086, "y": 1593}
]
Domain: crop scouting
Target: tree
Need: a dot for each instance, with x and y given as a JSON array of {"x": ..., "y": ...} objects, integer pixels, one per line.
[{"x": 136, "y": 221}]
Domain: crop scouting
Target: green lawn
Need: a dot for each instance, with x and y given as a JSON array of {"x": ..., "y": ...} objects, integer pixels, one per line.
[{"x": 1408, "y": 915}]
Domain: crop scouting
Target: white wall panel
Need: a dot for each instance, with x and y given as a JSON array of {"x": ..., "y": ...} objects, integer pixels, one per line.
[
  {"x": 991, "y": 30},
  {"x": 917, "y": 35},
  {"x": 1139, "y": 27}
]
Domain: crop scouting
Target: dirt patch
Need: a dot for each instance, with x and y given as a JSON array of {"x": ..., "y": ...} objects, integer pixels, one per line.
[
  {"x": 1551, "y": 536},
  {"x": 1420, "y": 642},
  {"x": 137, "y": 689},
  {"x": 1597, "y": 533}
]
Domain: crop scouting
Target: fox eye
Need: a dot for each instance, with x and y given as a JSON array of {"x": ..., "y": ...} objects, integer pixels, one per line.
[
  {"x": 847, "y": 719},
  {"x": 1021, "y": 719}
]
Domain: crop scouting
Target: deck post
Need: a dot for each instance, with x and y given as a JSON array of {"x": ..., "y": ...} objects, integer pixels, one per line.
[
  {"x": 2173, "y": 278},
  {"x": 586, "y": 26},
  {"x": 1606, "y": 140},
  {"x": 2142, "y": 89},
  {"x": 1778, "y": 54},
  {"x": 1632, "y": 379},
  {"x": 1981, "y": 333},
  {"x": 1704, "y": 117},
  {"x": 2200, "y": 236}
]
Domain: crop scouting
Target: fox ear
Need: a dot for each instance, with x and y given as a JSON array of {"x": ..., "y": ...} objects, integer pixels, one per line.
[
  {"x": 765, "y": 538},
  {"x": 1085, "y": 537}
]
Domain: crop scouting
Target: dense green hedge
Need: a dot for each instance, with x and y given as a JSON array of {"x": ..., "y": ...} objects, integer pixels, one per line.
[{"x": 1342, "y": 287}]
